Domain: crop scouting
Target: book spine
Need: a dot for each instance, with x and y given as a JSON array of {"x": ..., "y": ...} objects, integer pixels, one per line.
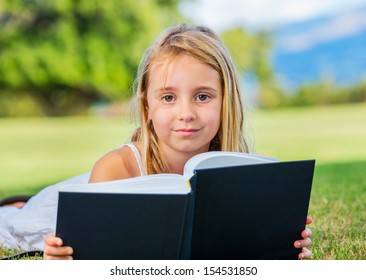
[{"x": 185, "y": 249}]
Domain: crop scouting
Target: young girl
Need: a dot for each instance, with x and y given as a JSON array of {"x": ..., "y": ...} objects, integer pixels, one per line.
[{"x": 189, "y": 102}]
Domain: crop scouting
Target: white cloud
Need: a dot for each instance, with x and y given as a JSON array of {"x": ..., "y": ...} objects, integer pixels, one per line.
[
  {"x": 341, "y": 26},
  {"x": 220, "y": 14}
]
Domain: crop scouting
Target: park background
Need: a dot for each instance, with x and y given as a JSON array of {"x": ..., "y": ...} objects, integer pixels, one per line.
[{"x": 67, "y": 70}]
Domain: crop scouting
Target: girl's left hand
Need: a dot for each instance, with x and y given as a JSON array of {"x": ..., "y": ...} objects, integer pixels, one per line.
[{"x": 306, "y": 234}]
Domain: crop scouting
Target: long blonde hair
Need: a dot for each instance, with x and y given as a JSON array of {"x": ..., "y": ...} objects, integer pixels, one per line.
[{"x": 204, "y": 45}]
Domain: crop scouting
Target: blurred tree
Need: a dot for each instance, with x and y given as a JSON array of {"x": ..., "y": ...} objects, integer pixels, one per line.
[
  {"x": 69, "y": 53},
  {"x": 251, "y": 55},
  {"x": 326, "y": 92}
]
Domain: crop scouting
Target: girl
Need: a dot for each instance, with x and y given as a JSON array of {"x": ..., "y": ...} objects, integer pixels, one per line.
[{"x": 189, "y": 102}]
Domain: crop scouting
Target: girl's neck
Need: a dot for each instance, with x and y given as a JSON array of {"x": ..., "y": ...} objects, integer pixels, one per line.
[
  {"x": 176, "y": 164},
  {"x": 176, "y": 160}
]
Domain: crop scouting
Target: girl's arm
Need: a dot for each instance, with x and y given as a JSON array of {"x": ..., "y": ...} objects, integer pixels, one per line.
[{"x": 115, "y": 165}]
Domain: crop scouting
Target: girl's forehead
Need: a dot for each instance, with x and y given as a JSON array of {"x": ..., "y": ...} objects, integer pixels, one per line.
[
  {"x": 181, "y": 68},
  {"x": 167, "y": 59},
  {"x": 167, "y": 63},
  {"x": 164, "y": 61}
]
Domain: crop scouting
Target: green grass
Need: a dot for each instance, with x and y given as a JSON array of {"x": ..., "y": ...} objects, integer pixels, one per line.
[
  {"x": 11, "y": 254},
  {"x": 328, "y": 134},
  {"x": 41, "y": 151},
  {"x": 37, "y": 152},
  {"x": 339, "y": 211}
]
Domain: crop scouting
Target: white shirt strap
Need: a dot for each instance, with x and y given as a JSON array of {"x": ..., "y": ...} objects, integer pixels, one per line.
[{"x": 138, "y": 157}]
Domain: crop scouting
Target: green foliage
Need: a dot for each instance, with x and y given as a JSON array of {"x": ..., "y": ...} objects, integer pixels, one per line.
[
  {"x": 315, "y": 94},
  {"x": 326, "y": 92},
  {"x": 249, "y": 51},
  {"x": 67, "y": 53},
  {"x": 251, "y": 55},
  {"x": 15, "y": 104}
]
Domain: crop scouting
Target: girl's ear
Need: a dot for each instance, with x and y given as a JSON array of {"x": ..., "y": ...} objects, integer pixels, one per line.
[{"x": 147, "y": 111}]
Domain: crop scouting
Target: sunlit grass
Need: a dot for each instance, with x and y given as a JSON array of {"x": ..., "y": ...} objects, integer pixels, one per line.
[
  {"x": 328, "y": 134},
  {"x": 36, "y": 152},
  {"x": 339, "y": 211}
]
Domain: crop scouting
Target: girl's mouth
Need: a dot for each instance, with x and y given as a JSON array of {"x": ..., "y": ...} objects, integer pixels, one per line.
[{"x": 187, "y": 131}]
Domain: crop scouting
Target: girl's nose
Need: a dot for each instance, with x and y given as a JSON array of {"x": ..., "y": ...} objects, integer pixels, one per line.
[{"x": 186, "y": 112}]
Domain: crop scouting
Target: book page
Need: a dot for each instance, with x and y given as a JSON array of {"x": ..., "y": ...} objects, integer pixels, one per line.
[
  {"x": 222, "y": 159},
  {"x": 150, "y": 184}
]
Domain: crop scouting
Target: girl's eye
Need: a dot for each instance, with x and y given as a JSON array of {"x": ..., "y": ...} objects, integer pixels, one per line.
[
  {"x": 202, "y": 97},
  {"x": 168, "y": 98}
]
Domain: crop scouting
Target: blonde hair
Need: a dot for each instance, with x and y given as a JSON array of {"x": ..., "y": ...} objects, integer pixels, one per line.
[{"x": 204, "y": 45}]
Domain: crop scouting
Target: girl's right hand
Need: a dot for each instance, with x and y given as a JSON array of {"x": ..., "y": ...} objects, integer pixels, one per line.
[{"x": 53, "y": 249}]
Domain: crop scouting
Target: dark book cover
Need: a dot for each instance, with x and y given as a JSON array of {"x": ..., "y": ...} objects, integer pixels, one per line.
[
  {"x": 251, "y": 212},
  {"x": 242, "y": 212},
  {"x": 109, "y": 226}
]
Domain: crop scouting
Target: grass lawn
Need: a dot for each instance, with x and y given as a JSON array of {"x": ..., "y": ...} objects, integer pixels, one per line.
[
  {"x": 38, "y": 152},
  {"x": 41, "y": 151},
  {"x": 339, "y": 211}
]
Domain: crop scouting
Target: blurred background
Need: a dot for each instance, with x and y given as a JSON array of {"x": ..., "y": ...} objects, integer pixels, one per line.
[
  {"x": 67, "y": 57},
  {"x": 67, "y": 69}
]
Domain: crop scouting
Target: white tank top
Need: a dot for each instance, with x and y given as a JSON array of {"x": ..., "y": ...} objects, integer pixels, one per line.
[{"x": 137, "y": 156}]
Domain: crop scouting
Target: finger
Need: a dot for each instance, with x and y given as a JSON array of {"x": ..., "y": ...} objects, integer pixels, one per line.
[
  {"x": 305, "y": 254},
  {"x": 306, "y": 233},
  {"x": 51, "y": 240},
  {"x": 309, "y": 220},
  {"x": 58, "y": 251},
  {"x": 303, "y": 243},
  {"x": 48, "y": 257}
]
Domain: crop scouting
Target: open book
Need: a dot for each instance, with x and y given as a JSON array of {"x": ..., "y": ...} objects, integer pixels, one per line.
[{"x": 226, "y": 206}]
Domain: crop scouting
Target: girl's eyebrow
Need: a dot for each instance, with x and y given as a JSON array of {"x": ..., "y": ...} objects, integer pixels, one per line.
[
  {"x": 205, "y": 88},
  {"x": 198, "y": 88},
  {"x": 161, "y": 89}
]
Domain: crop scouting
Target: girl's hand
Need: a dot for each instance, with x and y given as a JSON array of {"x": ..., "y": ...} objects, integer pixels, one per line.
[
  {"x": 306, "y": 234},
  {"x": 53, "y": 249}
]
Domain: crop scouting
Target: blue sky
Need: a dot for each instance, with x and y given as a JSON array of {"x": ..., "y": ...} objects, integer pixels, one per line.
[{"x": 259, "y": 14}]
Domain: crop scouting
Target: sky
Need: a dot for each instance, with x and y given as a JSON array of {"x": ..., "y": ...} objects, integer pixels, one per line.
[{"x": 262, "y": 14}]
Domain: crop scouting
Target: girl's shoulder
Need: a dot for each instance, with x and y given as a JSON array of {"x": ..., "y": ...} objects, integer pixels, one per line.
[{"x": 117, "y": 164}]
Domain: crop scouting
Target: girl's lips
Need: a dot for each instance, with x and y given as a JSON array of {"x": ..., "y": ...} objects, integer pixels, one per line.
[{"x": 187, "y": 131}]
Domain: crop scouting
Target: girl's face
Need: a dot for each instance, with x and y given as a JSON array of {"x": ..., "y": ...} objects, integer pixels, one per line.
[{"x": 184, "y": 100}]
